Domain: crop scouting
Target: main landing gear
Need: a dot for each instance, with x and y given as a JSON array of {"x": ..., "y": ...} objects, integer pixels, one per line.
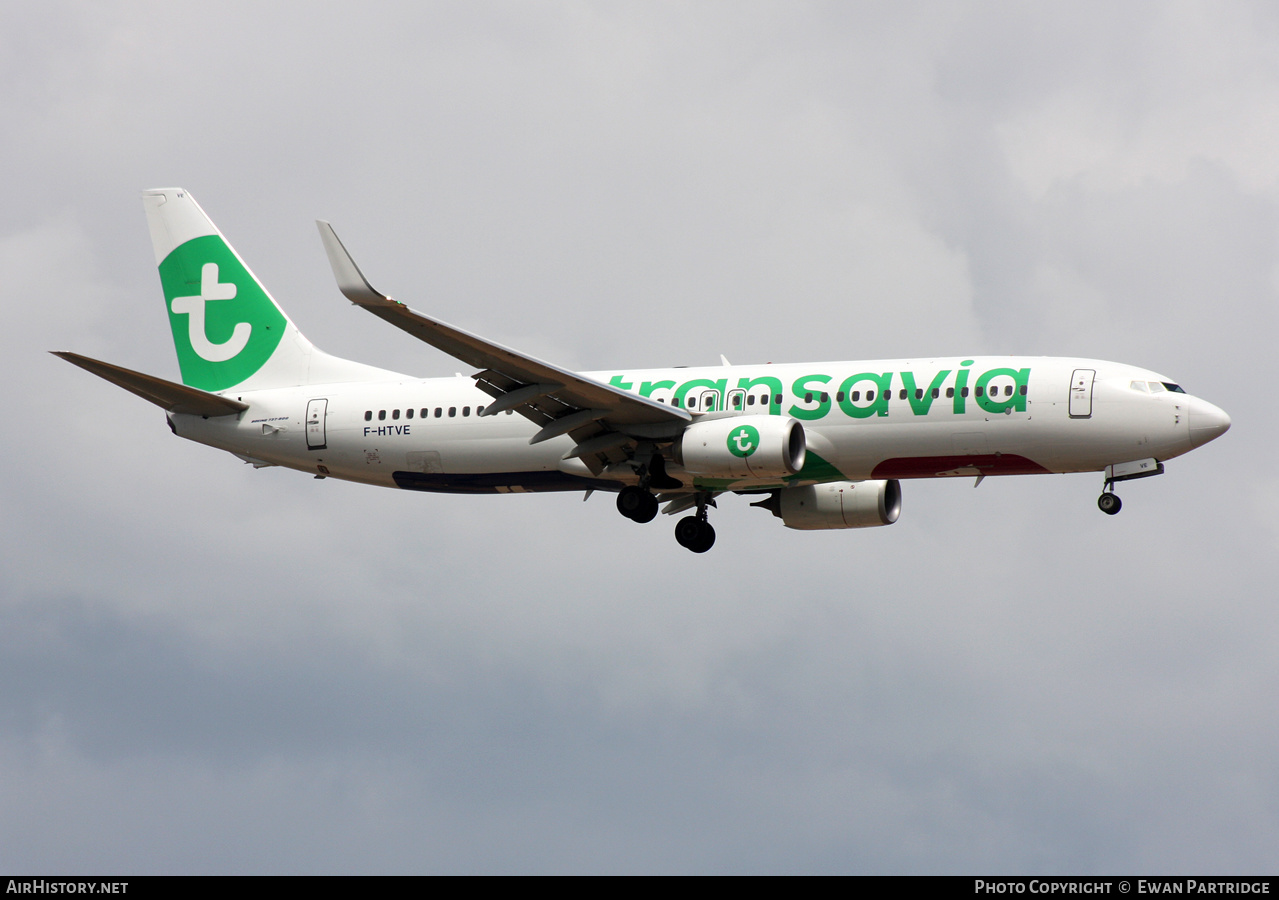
[
  {"x": 1109, "y": 503},
  {"x": 637, "y": 504},
  {"x": 695, "y": 532}
]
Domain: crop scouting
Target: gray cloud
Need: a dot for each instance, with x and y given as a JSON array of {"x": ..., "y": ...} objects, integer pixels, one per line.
[{"x": 209, "y": 668}]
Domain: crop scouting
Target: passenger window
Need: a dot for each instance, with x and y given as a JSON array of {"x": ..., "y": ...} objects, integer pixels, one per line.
[
  {"x": 1022, "y": 390},
  {"x": 408, "y": 413},
  {"x": 395, "y": 414},
  {"x": 466, "y": 410},
  {"x": 950, "y": 392},
  {"x": 901, "y": 395},
  {"x": 675, "y": 401},
  {"x": 778, "y": 400},
  {"x": 919, "y": 393},
  {"x": 855, "y": 396},
  {"x": 964, "y": 392},
  {"x": 438, "y": 412},
  {"x": 452, "y": 411},
  {"x": 839, "y": 397},
  {"x": 750, "y": 401},
  {"x": 978, "y": 391},
  {"x": 479, "y": 410},
  {"x": 368, "y": 415},
  {"x": 424, "y": 413},
  {"x": 936, "y": 392},
  {"x": 1008, "y": 390},
  {"x": 381, "y": 415},
  {"x": 825, "y": 397},
  {"x": 808, "y": 398}
]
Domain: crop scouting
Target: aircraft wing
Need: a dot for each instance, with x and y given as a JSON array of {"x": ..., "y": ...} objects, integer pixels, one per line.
[
  {"x": 177, "y": 398},
  {"x": 600, "y": 417}
]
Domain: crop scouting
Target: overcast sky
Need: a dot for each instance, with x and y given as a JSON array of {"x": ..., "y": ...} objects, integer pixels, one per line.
[{"x": 208, "y": 668}]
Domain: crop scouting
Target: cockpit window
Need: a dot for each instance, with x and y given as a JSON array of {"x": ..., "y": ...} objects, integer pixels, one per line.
[
  {"x": 1156, "y": 387},
  {"x": 1175, "y": 388},
  {"x": 1139, "y": 386}
]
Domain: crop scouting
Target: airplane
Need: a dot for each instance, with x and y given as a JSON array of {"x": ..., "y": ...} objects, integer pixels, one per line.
[{"x": 820, "y": 445}]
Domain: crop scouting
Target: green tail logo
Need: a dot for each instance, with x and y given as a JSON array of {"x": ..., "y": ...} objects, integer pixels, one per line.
[{"x": 225, "y": 327}]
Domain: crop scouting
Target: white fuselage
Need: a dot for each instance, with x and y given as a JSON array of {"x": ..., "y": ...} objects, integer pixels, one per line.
[{"x": 879, "y": 419}]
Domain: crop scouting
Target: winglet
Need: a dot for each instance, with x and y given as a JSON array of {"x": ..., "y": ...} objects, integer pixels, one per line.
[{"x": 351, "y": 281}]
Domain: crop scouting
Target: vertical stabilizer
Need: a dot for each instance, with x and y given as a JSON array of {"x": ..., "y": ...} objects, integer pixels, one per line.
[{"x": 227, "y": 329}]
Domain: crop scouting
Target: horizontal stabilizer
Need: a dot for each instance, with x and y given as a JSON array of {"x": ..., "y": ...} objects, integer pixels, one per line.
[{"x": 172, "y": 397}]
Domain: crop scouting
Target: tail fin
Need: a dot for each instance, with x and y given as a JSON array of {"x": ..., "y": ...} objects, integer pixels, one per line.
[{"x": 227, "y": 329}]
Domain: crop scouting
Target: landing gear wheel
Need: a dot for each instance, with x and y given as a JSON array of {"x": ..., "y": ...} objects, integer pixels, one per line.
[
  {"x": 648, "y": 509},
  {"x": 637, "y": 504},
  {"x": 695, "y": 534},
  {"x": 706, "y": 541},
  {"x": 1109, "y": 503}
]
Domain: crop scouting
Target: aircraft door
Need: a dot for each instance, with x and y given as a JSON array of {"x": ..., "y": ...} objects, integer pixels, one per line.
[
  {"x": 709, "y": 401},
  {"x": 736, "y": 401},
  {"x": 1081, "y": 393},
  {"x": 316, "y": 413}
]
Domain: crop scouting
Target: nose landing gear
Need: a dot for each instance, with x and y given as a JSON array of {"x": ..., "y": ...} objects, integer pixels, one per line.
[{"x": 1108, "y": 502}]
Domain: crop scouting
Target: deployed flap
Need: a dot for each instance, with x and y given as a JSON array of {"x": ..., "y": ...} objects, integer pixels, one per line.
[
  {"x": 177, "y": 398},
  {"x": 505, "y": 370}
]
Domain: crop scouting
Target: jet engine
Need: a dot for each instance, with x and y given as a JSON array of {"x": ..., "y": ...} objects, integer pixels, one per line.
[
  {"x": 742, "y": 447},
  {"x": 837, "y": 504}
]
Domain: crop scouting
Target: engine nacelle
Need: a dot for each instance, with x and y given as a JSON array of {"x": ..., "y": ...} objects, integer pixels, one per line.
[
  {"x": 742, "y": 447},
  {"x": 837, "y": 504}
]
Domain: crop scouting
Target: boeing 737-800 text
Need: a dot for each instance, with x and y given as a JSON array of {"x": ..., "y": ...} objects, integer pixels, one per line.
[{"x": 822, "y": 445}]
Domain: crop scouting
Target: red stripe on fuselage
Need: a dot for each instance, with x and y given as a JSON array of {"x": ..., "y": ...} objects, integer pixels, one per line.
[{"x": 946, "y": 466}]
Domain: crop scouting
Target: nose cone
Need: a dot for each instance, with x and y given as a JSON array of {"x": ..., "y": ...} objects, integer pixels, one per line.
[{"x": 1207, "y": 422}]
